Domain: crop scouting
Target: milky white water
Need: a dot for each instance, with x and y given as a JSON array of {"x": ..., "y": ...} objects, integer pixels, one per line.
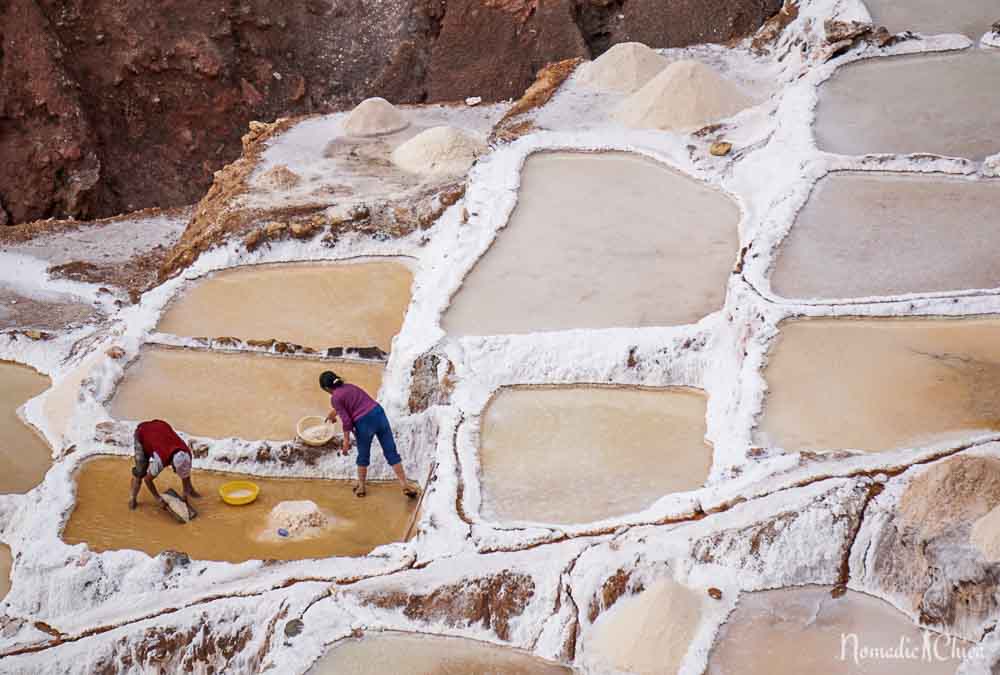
[
  {"x": 945, "y": 104},
  {"x": 599, "y": 240},
  {"x": 251, "y": 396},
  {"x": 804, "y": 630},
  {"x": 407, "y": 654},
  {"x": 881, "y": 384},
  {"x": 579, "y": 454},
  {"x": 317, "y": 305},
  {"x": 24, "y": 455},
  {"x": 869, "y": 234},
  {"x": 971, "y": 17}
]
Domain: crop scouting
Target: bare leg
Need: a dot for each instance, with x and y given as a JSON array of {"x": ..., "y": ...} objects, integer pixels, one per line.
[
  {"x": 136, "y": 483},
  {"x": 401, "y": 477},
  {"x": 189, "y": 488},
  {"x": 361, "y": 490}
]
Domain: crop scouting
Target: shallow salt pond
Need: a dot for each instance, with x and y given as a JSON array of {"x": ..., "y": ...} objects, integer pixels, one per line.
[
  {"x": 24, "y": 454},
  {"x": 970, "y": 17},
  {"x": 102, "y": 520},
  {"x": 881, "y": 384},
  {"x": 805, "y": 630},
  {"x": 601, "y": 240},
  {"x": 6, "y": 562},
  {"x": 250, "y": 396},
  {"x": 410, "y": 654},
  {"x": 585, "y": 453},
  {"x": 355, "y": 304},
  {"x": 870, "y": 234},
  {"x": 945, "y": 104}
]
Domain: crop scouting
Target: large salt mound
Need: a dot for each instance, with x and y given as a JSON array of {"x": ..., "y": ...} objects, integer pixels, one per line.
[
  {"x": 625, "y": 67},
  {"x": 686, "y": 96},
  {"x": 373, "y": 117},
  {"x": 439, "y": 150},
  {"x": 649, "y": 632},
  {"x": 300, "y": 518}
]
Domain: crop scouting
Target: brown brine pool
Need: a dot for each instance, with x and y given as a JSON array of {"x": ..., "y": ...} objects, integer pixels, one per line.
[
  {"x": 319, "y": 305},
  {"x": 24, "y": 454},
  {"x": 103, "y": 521},
  {"x": 805, "y": 630},
  {"x": 411, "y": 654},
  {"x": 220, "y": 395},
  {"x": 881, "y": 384},
  {"x": 599, "y": 240},
  {"x": 6, "y": 563},
  {"x": 585, "y": 453},
  {"x": 971, "y": 17}
]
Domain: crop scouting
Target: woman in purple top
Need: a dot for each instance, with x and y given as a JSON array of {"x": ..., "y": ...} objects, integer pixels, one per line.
[{"x": 362, "y": 414}]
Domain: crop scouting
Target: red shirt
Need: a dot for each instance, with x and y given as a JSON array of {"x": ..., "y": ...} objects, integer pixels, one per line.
[{"x": 156, "y": 436}]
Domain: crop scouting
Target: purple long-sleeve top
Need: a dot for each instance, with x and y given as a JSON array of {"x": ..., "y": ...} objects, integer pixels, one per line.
[{"x": 351, "y": 403}]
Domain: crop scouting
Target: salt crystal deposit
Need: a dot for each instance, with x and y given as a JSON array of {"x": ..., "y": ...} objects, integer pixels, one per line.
[
  {"x": 986, "y": 535},
  {"x": 374, "y": 117},
  {"x": 300, "y": 518},
  {"x": 686, "y": 96},
  {"x": 625, "y": 68},
  {"x": 439, "y": 151}
]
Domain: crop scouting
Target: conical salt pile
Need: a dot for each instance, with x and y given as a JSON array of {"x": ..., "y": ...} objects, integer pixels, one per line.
[
  {"x": 625, "y": 67},
  {"x": 439, "y": 150},
  {"x": 686, "y": 96},
  {"x": 373, "y": 117}
]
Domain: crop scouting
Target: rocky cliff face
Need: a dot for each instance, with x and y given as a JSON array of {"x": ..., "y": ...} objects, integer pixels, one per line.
[{"x": 108, "y": 107}]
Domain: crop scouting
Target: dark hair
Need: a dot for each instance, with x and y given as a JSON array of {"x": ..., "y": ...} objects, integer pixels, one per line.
[{"x": 329, "y": 380}]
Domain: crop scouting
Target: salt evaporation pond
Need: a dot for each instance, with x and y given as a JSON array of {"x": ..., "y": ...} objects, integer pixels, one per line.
[
  {"x": 870, "y": 234},
  {"x": 102, "y": 520},
  {"x": 600, "y": 240},
  {"x": 24, "y": 455},
  {"x": 580, "y": 454},
  {"x": 881, "y": 384},
  {"x": 358, "y": 304},
  {"x": 805, "y": 630},
  {"x": 5, "y": 566},
  {"x": 945, "y": 104},
  {"x": 411, "y": 654},
  {"x": 225, "y": 395},
  {"x": 971, "y": 17}
]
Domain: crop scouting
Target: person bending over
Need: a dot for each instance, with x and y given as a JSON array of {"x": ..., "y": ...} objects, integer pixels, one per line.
[
  {"x": 156, "y": 447},
  {"x": 362, "y": 414}
]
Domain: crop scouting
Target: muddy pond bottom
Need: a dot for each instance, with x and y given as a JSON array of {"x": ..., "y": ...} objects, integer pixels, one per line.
[
  {"x": 250, "y": 396},
  {"x": 24, "y": 454},
  {"x": 881, "y": 384},
  {"x": 411, "y": 654},
  {"x": 944, "y": 104},
  {"x": 804, "y": 630},
  {"x": 351, "y": 304},
  {"x": 580, "y": 454},
  {"x": 600, "y": 240},
  {"x": 103, "y": 521},
  {"x": 871, "y": 234},
  {"x": 6, "y": 562},
  {"x": 970, "y": 17}
]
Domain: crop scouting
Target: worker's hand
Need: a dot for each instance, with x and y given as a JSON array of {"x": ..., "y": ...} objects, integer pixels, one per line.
[
  {"x": 131, "y": 504},
  {"x": 163, "y": 504},
  {"x": 332, "y": 417}
]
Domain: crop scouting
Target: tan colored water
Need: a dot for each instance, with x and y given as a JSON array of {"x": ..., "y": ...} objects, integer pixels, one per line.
[
  {"x": 881, "y": 384},
  {"x": 405, "y": 654},
  {"x": 103, "y": 521},
  {"x": 946, "y": 104},
  {"x": 249, "y": 396},
  {"x": 869, "y": 234},
  {"x": 5, "y": 566},
  {"x": 24, "y": 455},
  {"x": 804, "y": 630},
  {"x": 580, "y": 454},
  {"x": 317, "y": 305},
  {"x": 971, "y": 17},
  {"x": 600, "y": 240}
]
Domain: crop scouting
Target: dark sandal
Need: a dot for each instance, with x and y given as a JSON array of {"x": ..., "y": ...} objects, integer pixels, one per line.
[
  {"x": 410, "y": 492},
  {"x": 359, "y": 491}
]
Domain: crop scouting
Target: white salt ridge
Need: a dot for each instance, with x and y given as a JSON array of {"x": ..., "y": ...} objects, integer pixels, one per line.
[
  {"x": 686, "y": 96},
  {"x": 439, "y": 151},
  {"x": 625, "y": 68},
  {"x": 374, "y": 117}
]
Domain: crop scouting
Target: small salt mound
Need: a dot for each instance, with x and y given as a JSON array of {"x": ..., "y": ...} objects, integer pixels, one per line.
[
  {"x": 625, "y": 67},
  {"x": 686, "y": 96},
  {"x": 439, "y": 150},
  {"x": 299, "y": 518},
  {"x": 986, "y": 535},
  {"x": 649, "y": 632},
  {"x": 280, "y": 177},
  {"x": 373, "y": 117}
]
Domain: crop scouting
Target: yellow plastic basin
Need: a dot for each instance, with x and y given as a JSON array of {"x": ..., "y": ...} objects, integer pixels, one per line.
[{"x": 239, "y": 492}]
